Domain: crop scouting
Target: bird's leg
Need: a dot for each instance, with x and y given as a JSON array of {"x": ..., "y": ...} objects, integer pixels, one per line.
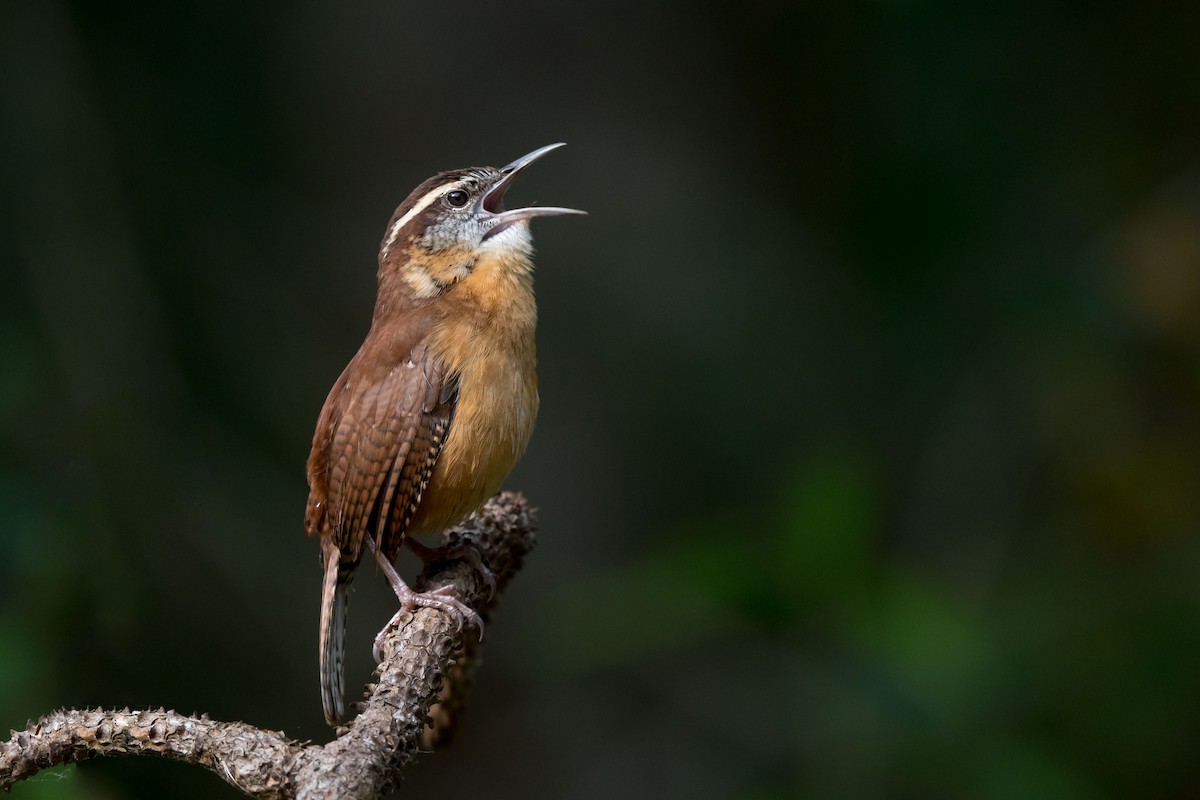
[
  {"x": 453, "y": 552},
  {"x": 441, "y": 598}
]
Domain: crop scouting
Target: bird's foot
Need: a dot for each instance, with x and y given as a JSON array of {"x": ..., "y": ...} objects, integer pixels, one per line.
[{"x": 441, "y": 598}]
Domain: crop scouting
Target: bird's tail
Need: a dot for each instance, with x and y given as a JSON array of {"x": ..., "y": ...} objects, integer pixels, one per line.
[{"x": 335, "y": 597}]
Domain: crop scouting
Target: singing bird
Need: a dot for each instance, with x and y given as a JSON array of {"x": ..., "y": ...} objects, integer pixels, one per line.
[{"x": 434, "y": 410}]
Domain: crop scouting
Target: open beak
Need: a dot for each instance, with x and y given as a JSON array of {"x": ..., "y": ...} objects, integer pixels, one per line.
[{"x": 491, "y": 206}]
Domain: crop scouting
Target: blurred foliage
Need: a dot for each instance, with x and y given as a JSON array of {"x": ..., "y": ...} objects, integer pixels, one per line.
[{"x": 871, "y": 386}]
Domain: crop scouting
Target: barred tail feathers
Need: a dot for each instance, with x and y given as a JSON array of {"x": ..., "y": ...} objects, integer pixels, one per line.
[{"x": 335, "y": 598}]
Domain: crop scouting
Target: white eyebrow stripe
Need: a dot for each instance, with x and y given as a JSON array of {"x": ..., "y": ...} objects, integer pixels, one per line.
[{"x": 420, "y": 206}]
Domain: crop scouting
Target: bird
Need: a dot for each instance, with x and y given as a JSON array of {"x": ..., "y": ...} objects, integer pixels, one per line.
[{"x": 431, "y": 414}]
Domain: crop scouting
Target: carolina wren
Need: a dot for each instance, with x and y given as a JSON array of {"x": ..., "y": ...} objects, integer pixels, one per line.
[{"x": 438, "y": 404}]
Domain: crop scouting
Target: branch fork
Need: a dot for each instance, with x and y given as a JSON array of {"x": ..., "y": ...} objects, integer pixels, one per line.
[{"x": 411, "y": 706}]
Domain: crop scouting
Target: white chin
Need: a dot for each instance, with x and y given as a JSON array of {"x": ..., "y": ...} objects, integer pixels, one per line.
[{"x": 515, "y": 238}]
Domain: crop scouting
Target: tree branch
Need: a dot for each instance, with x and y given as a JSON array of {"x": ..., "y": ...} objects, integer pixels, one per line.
[{"x": 426, "y": 667}]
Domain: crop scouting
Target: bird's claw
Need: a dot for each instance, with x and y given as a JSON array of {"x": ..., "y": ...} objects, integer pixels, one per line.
[{"x": 441, "y": 598}]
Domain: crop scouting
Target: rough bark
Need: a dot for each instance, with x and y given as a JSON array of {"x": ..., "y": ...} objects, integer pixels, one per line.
[{"x": 412, "y": 705}]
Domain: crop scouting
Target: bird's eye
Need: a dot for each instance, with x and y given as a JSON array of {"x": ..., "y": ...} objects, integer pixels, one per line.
[{"x": 456, "y": 198}]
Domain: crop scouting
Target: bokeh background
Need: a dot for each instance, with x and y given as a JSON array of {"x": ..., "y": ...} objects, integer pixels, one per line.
[{"x": 869, "y": 460}]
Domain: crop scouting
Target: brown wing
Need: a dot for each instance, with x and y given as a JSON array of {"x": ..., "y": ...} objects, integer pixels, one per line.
[
  {"x": 377, "y": 440},
  {"x": 318, "y": 458},
  {"x": 382, "y": 454}
]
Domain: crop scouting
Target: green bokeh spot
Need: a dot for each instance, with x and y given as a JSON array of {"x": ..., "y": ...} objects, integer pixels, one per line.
[{"x": 830, "y": 529}]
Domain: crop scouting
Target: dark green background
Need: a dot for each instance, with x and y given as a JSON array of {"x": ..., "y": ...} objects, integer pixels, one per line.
[{"x": 869, "y": 460}]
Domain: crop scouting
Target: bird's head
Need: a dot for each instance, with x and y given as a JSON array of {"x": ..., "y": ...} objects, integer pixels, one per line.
[{"x": 454, "y": 221}]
